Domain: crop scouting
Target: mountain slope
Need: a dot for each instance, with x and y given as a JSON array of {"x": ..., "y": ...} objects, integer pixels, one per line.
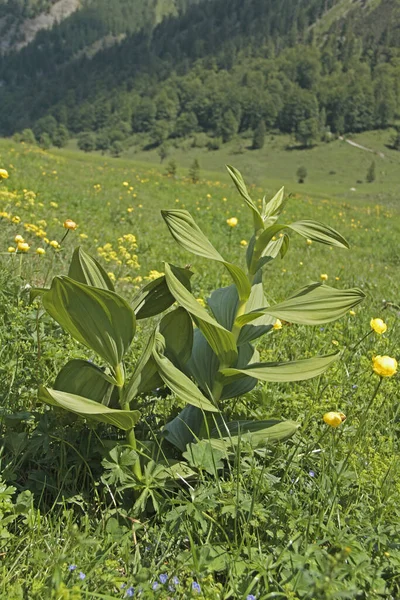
[{"x": 301, "y": 67}]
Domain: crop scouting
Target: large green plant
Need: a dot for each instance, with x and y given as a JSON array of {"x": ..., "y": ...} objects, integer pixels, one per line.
[
  {"x": 86, "y": 305},
  {"x": 223, "y": 361}
]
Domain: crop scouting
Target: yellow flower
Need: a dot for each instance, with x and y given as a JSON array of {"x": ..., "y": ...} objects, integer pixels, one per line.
[
  {"x": 378, "y": 326},
  {"x": 16, "y": 219},
  {"x": 40, "y": 251},
  {"x": 54, "y": 244},
  {"x": 324, "y": 276},
  {"x": 54, "y": 204},
  {"x": 201, "y": 301},
  {"x": 352, "y": 313},
  {"x": 334, "y": 419},
  {"x": 3, "y": 174},
  {"x": 232, "y": 222},
  {"x": 111, "y": 275},
  {"x": 18, "y": 238},
  {"x": 23, "y": 246},
  {"x": 385, "y": 366},
  {"x": 125, "y": 183},
  {"x": 70, "y": 224},
  {"x": 11, "y": 249},
  {"x": 309, "y": 242},
  {"x": 278, "y": 324},
  {"x": 243, "y": 243}
]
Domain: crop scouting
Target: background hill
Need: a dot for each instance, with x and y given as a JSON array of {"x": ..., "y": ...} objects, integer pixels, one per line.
[{"x": 126, "y": 72}]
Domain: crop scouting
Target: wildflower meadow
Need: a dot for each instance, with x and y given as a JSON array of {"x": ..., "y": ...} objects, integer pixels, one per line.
[{"x": 199, "y": 384}]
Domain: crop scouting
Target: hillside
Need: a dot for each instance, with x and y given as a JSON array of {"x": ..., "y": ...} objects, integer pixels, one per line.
[{"x": 311, "y": 69}]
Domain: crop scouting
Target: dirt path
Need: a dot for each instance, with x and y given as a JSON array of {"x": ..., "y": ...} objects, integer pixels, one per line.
[{"x": 381, "y": 154}]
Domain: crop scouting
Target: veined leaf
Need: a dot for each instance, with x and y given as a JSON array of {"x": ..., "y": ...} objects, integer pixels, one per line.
[
  {"x": 186, "y": 232},
  {"x": 258, "y": 433},
  {"x": 176, "y": 327},
  {"x": 82, "y": 378},
  {"x": 274, "y": 207},
  {"x": 123, "y": 419},
  {"x": 99, "y": 319},
  {"x": 184, "y": 428},
  {"x": 85, "y": 269},
  {"x": 262, "y": 324},
  {"x": 297, "y": 370},
  {"x": 181, "y": 385},
  {"x": 242, "y": 189},
  {"x": 155, "y": 297},
  {"x": 145, "y": 376},
  {"x": 238, "y": 387},
  {"x": 224, "y": 303},
  {"x": 318, "y": 232},
  {"x": 220, "y": 339},
  {"x": 203, "y": 364}
]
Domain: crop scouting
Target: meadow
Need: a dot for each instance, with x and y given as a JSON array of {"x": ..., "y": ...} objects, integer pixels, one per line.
[{"x": 312, "y": 517}]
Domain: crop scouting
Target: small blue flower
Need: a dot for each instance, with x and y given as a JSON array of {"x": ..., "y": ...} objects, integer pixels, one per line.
[
  {"x": 163, "y": 578},
  {"x": 71, "y": 567},
  {"x": 155, "y": 586},
  {"x": 251, "y": 597},
  {"x": 196, "y": 587},
  {"x": 82, "y": 575},
  {"x": 130, "y": 591},
  {"x": 322, "y": 328},
  {"x": 175, "y": 580},
  {"x": 355, "y": 386},
  {"x": 311, "y": 474}
]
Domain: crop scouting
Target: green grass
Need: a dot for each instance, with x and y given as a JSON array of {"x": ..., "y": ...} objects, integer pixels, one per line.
[{"x": 313, "y": 518}]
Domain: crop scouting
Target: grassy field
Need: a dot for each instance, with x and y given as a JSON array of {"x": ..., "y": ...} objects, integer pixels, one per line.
[{"x": 315, "y": 517}]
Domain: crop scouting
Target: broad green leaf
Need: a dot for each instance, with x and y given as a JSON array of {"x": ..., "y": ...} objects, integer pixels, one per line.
[
  {"x": 155, "y": 297},
  {"x": 224, "y": 303},
  {"x": 258, "y": 433},
  {"x": 182, "y": 386},
  {"x": 177, "y": 329},
  {"x": 145, "y": 376},
  {"x": 99, "y": 319},
  {"x": 239, "y": 387},
  {"x": 35, "y": 292},
  {"x": 85, "y": 269},
  {"x": 296, "y": 370},
  {"x": 82, "y": 378},
  {"x": 262, "y": 324},
  {"x": 314, "y": 304},
  {"x": 242, "y": 189},
  {"x": 274, "y": 206},
  {"x": 185, "y": 428},
  {"x": 220, "y": 339},
  {"x": 123, "y": 419},
  {"x": 203, "y": 456},
  {"x": 203, "y": 364},
  {"x": 318, "y": 232},
  {"x": 186, "y": 232}
]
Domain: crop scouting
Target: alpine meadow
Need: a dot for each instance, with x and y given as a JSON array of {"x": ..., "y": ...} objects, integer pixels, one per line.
[{"x": 199, "y": 299}]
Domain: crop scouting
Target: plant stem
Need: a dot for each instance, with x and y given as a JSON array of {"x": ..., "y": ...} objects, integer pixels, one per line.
[{"x": 130, "y": 433}]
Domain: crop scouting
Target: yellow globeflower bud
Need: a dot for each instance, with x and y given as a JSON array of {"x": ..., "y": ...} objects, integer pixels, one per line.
[
  {"x": 334, "y": 419},
  {"x": 378, "y": 326},
  {"x": 385, "y": 366},
  {"x": 54, "y": 244},
  {"x": 70, "y": 224},
  {"x": 309, "y": 242},
  {"x": 278, "y": 324},
  {"x": 23, "y": 246},
  {"x": 324, "y": 276},
  {"x": 232, "y": 222},
  {"x": 3, "y": 174},
  {"x": 243, "y": 243},
  {"x": 11, "y": 249},
  {"x": 18, "y": 238},
  {"x": 40, "y": 251}
]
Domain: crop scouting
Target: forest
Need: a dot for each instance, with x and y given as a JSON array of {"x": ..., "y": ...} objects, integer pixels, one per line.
[{"x": 278, "y": 66}]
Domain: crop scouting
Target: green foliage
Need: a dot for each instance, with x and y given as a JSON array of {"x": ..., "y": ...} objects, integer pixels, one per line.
[
  {"x": 259, "y": 136},
  {"x": 371, "y": 173},
  {"x": 194, "y": 171},
  {"x": 301, "y": 174},
  {"x": 86, "y": 141}
]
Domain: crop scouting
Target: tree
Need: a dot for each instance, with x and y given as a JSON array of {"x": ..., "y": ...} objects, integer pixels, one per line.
[
  {"x": 46, "y": 125},
  {"x": 301, "y": 174},
  {"x": 45, "y": 141},
  {"x": 186, "y": 124},
  {"x": 103, "y": 141},
  {"x": 28, "y": 136},
  {"x": 395, "y": 142},
  {"x": 163, "y": 152},
  {"x": 228, "y": 126},
  {"x": 259, "y": 136},
  {"x": 307, "y": 132},
  {"x": 371, "y": 172},
  {"x": 116, "y": 149},
  {"x": 61, "y": 136},
  {"x": 87, "y": 141},
  {"x": 171, "y": 168},
  {"x": 194, "y": 171}
]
